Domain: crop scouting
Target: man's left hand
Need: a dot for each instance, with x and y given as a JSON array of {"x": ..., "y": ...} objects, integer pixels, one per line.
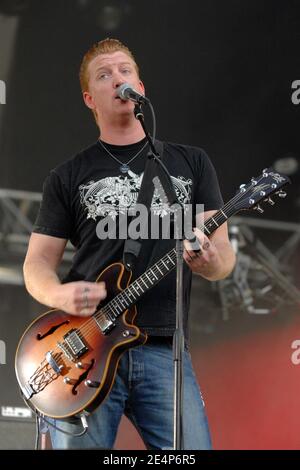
[{"x": 197, "y": 260}]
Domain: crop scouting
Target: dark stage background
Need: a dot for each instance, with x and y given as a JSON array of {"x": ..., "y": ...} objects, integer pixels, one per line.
[{"x": 222, "y": 75}]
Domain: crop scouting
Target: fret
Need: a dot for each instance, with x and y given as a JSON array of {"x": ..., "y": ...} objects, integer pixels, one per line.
[
  {"x": 115, "y": 310},
  {"x": 157, "y": 267},
  {"x": 122, "y": 299},
  {"x": 126, "y": 294},
  {"x": 159, "y": 272},
  {"x": 167, "y": 268},
  {"x": 224, "y": 214},
  {"x": 215, "y": 221},
  {"x": 116, "y": 306},
  {"x": 161, "y": 262},
  {"x": 206, "y": 230},
  {"x": 132, "y": 285},
  {"x": 141, "y": 278},
  {"x": 171, "y": 259},
  {"x": 139, "y": 286},
  {"x": 131, "y": 293},
  {"x": 148, "y": 278},
  {"x": 107, "y": 312},
  {"x": 154, "y": 274}
]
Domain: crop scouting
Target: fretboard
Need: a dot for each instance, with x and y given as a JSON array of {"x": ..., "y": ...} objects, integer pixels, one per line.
[{"x": 159, "y": 270}]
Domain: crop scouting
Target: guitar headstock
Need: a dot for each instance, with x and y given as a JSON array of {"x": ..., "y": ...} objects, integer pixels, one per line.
[{"x": 260, "y": 190}]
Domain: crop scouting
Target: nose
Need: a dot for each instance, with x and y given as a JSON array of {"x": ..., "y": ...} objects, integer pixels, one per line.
[{"x": 118, "y": 80}]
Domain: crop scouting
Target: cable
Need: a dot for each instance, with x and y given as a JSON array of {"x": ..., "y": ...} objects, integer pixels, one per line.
[
  {"x": 83, "y": 422},
  {"x": 153, "y": 121},
  {"x": 39, "y": 416}
]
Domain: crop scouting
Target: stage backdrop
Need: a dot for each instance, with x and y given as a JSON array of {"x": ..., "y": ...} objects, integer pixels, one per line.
[{"x": 221, "y": 75}]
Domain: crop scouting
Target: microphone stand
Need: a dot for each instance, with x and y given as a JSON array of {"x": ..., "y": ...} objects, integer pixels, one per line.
[{"x": 178, "y": 337}]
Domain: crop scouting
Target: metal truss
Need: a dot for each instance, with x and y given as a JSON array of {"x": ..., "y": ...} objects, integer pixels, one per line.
[
  {"x": 264, "y": 279},
  {"x": 18, "y": 211}
]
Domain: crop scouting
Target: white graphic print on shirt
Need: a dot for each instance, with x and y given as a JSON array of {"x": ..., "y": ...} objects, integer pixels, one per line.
[{"x": 116, "y": 194}]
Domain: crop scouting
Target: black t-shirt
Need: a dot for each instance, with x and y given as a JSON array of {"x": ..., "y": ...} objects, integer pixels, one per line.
[{"x": 81, "y": 192}]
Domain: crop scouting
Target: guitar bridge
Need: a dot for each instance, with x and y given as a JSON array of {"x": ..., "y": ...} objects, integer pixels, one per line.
[{"x": 48, "y": 371}]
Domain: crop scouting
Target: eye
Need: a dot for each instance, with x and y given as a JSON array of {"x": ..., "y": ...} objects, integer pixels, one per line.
[
  {"x": 103, "y": 75},
  {"x": 126, "y": 71}
]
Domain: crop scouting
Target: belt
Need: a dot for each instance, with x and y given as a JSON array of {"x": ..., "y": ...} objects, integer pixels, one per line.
[{"x": 159, "y": 340}]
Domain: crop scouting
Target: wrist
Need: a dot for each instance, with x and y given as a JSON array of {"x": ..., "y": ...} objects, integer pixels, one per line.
[{"x": 55, "y": 294}]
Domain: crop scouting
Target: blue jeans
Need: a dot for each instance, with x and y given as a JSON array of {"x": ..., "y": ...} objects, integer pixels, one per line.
[{"x": 143, "y": 391}]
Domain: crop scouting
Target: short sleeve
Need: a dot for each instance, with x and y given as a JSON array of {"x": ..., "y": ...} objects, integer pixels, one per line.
[
  {"x": 207, "y": 187},
  {"x": 54, "y": 217}
]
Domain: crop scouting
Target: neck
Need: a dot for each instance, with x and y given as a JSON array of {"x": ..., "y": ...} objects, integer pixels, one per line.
[{"x": 121, "y": 133}]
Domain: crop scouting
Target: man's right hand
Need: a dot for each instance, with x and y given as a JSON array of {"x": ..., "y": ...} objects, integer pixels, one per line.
[{"x": 79, "y": 298}]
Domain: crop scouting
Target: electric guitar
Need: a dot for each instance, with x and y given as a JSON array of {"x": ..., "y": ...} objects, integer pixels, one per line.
[{"x": 66, "y": 364}]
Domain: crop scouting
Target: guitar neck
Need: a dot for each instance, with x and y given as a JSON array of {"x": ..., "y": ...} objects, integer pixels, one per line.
[{"x": 160, "y": 269}]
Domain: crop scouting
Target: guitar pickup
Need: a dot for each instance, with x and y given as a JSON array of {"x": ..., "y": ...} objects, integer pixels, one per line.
[
  {"x": 104, "y": 323},
  {"x": 73, "y": 346}
]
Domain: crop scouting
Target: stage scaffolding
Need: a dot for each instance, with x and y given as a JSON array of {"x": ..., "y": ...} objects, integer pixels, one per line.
[{"x": 18, "y": 210}]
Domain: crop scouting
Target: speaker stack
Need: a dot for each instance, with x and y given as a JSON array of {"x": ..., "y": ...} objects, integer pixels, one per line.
[{"x": 17, "y": 423}]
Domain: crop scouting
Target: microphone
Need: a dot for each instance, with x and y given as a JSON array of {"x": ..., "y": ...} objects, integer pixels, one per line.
[{"x": 126, "y": 92}]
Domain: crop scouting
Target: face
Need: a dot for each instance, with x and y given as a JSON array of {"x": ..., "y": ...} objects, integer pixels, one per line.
[{"x": 106, "y": 73}]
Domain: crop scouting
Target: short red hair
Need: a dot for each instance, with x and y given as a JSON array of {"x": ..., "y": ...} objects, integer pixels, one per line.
[{"x": 106, "y": 46}]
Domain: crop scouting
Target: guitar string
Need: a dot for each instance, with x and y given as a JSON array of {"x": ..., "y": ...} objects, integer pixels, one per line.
[
  {"x": 85, "y": 330},
  {"x": 91, "y": 324},
  {"x": 91, "y": 327}
]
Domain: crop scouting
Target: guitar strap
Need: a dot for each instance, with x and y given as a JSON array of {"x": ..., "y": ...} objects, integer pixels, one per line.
[{"x": 132, "y": 247}]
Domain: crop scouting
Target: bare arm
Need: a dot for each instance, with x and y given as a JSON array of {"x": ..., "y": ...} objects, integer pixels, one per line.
[
  {"x": 217, "y": 259},
  {"x": 42, "y": 261}
]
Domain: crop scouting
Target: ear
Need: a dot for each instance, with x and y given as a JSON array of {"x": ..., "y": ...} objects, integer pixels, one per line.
[
  {"x": 88, "y": 99},
  {"x": 142, "y": 87}
]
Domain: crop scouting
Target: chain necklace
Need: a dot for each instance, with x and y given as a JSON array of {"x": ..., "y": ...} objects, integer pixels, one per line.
[{"x": 124, "y": 167}]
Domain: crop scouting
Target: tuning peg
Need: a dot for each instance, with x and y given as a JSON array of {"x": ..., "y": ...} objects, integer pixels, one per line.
[
  {"x": 253, "y": 181},
  {"x": 282, "y": 194},
  {"x": 259, "y": 209},
  {"x": 242, "y": 188},
  {"x": 270, "y": 201}
]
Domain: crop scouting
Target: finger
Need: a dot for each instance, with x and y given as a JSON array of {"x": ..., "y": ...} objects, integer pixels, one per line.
[
  {"x": 206, "y": 245},
  {"x": 96, "y": 292},
  {"x": 189, "y": 256},
  {"x": 101, "y": 290},
  {"x": 194, "y": 249},
  {"x": 87, "y": 311},
  {"x": 195, "y": 241},
  {"x": 93, "y": 286},
  {"x": 187, "y": 245}
]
